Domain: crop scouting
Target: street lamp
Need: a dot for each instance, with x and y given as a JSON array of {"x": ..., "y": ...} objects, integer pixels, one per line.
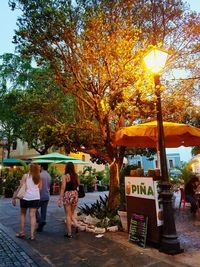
[{"x": 155, "y": 62}]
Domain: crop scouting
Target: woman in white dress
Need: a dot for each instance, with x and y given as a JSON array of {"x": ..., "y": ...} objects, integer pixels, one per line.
[{"x": 30, "y": 200}]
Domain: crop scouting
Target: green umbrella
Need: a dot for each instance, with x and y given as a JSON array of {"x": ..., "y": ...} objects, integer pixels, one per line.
[
  {"x": 75, "y": 161},
  {"x": 44, "y": 161},
  {"x": 54, "y": 156},
  {"x": 13, "y": 161}
]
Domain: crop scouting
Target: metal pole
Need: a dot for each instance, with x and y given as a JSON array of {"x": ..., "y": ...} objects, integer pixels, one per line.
[
  {"x": 2, "y": 154},
  {"x": 169, "y": 240}
]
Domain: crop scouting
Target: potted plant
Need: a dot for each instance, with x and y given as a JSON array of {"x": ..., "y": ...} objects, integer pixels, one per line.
[
  {"x": 11, "y": 180},
  {"x": 185, "y": 173},
  {"x": 10, "y": 186},
  {"x": 55, "y": 179},
  {"x": 88, "y": 178},
  {"x": 103, "y": 179}
]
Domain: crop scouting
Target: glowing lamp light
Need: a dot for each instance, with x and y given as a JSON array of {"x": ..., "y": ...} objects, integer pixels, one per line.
[{"x": 155, "y": 60}]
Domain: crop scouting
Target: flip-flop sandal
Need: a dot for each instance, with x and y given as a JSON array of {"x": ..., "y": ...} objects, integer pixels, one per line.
[
  {"x": 20, "y": 235},
  {"x": 68, "y": 236},
  {"x": 31, "y": 238}
]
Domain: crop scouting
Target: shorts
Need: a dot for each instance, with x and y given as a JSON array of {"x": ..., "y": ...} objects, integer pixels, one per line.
[
  {"x": 25, "y": 204},
  {"x": 71, "y": 197}
]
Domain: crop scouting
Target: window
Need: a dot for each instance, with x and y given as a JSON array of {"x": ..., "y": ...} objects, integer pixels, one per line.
[
  {"x": 171, "y": 164},
  {"x": 14, "y": 145}
]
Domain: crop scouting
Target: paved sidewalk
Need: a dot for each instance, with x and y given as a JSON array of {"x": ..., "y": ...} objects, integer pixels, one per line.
[
  {"x": 17, "y": 253},
  {"x": 85, "y": 249}
]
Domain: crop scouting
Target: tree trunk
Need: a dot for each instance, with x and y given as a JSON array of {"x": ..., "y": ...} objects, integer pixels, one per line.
[{"x": 114, "y": 190}]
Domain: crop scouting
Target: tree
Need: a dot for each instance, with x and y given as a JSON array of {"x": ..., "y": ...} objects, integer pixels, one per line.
[
  {"x": 13, "y": 77},
  {"x": 96, "y": 48},
  {"x": 41, "y": 111},
  {"x": 46, "y": 110},
  {"x": 9, "y": 121}
]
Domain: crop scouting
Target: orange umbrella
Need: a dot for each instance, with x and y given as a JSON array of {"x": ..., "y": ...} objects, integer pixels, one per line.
[{"x": 145, "y": 135}]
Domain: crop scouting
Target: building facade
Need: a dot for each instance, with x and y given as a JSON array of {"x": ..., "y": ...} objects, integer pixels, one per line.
[
  {"x": 173, "y": 160},
  {"x": 21, "y": 151}
]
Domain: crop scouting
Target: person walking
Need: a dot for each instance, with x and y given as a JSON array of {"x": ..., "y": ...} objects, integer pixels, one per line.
[
  {"x": 69, "y": 197},
  {"x": 30, "y": 200},
  {"x": 44, "y": 197}
]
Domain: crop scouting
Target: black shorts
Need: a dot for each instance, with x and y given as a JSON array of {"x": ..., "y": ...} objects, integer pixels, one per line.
[{"x": 25, "y": 204}]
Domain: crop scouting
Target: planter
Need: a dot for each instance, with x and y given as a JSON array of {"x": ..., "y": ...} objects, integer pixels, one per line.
[
  {"x": 101, "y": 188},
  {"x": 123, "y": 219},
  {"x": 8, "y": 193},
  {"x": 90, "y": 188}
]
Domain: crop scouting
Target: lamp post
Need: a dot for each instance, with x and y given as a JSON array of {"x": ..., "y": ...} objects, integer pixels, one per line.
[
  {"x": 155, "y": 61},
  {"x": 3, "y": 145}
]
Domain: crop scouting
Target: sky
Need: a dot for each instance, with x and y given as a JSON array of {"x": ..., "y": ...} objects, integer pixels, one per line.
[{"x": 8, "y": 24}]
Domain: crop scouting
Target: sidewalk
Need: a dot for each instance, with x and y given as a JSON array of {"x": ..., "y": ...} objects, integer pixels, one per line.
[
  {"x": 17, "y": 253},
  {"x": 112, "y": 250}
]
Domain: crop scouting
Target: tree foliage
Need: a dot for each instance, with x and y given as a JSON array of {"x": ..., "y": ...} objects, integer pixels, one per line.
[
  {"x": 9, "y": 119},
  {"x": 95, "y": 49}
]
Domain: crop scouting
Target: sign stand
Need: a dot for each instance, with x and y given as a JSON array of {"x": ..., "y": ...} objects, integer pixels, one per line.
[
  {"x": 138, "y": 229},
  {"x": 143, "y": 198}
]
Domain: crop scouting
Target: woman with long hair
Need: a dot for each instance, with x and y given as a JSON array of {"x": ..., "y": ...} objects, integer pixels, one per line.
[
  {"x": 31, "y": 199},
  {"x": 69, "y": 197}
]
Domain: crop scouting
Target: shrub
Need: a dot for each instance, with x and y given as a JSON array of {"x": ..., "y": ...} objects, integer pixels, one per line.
[
  {"x": 100, "y": 210},
  {"x": 11, "y": 178},
  {"x": 55, "y": 174},
  {"x": 88, "y": 176}
]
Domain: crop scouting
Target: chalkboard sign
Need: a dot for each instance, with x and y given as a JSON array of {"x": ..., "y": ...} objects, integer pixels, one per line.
[{"x": 138, "y": 229}]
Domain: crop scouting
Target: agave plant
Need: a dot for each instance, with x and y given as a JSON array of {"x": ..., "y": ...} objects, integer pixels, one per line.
[{"x": 100, "y": 210}]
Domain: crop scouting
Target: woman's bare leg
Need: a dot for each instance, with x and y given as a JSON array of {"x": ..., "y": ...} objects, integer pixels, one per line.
[
  {"x": 22, "y": 220},
  {"x": 73, "y": 215},
  {"x": 68, "y": 212},
  {"x": 32, "y": 213}
]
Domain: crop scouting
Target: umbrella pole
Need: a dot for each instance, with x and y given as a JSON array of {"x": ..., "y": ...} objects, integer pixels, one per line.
[{"x": 169, "y": 240}]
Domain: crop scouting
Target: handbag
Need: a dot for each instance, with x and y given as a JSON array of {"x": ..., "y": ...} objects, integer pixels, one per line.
[
  {"x": 81, "y": 191},
  {"x": 21, "y": 191}
]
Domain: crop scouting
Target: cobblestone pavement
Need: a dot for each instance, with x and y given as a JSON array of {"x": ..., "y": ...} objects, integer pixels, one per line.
[
  {"x": 85, "y": 250},
  {"x": 11, "y": 254},
  {"x": 17, "y": 254},
  {"x": 188, "y": 229}
]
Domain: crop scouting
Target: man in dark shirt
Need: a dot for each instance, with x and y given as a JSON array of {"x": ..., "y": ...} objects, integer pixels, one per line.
[
  {"x": 190, "y": 190},
  {"x": 44, "y": 197}
]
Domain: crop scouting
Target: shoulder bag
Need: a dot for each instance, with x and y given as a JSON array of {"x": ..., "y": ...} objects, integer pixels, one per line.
[
  {"x": 22, "y": 190},
  {"x": 81, "y": 191}
]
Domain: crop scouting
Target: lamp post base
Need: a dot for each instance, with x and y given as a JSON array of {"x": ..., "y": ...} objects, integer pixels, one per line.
[
  {"x": 170, "y": 246},
  {"x": 169, "y": 241}
]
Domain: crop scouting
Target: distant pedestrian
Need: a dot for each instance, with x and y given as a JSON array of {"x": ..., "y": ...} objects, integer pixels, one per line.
[
  {"x": 30, "y": 200},
  {"x": 44, "y": 197},
  {"x": 69, "y": 197},
  {"x": 190, "y": 191}
]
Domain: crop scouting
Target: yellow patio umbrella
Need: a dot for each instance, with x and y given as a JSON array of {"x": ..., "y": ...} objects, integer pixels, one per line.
[{"x": 146, "y": 135}]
